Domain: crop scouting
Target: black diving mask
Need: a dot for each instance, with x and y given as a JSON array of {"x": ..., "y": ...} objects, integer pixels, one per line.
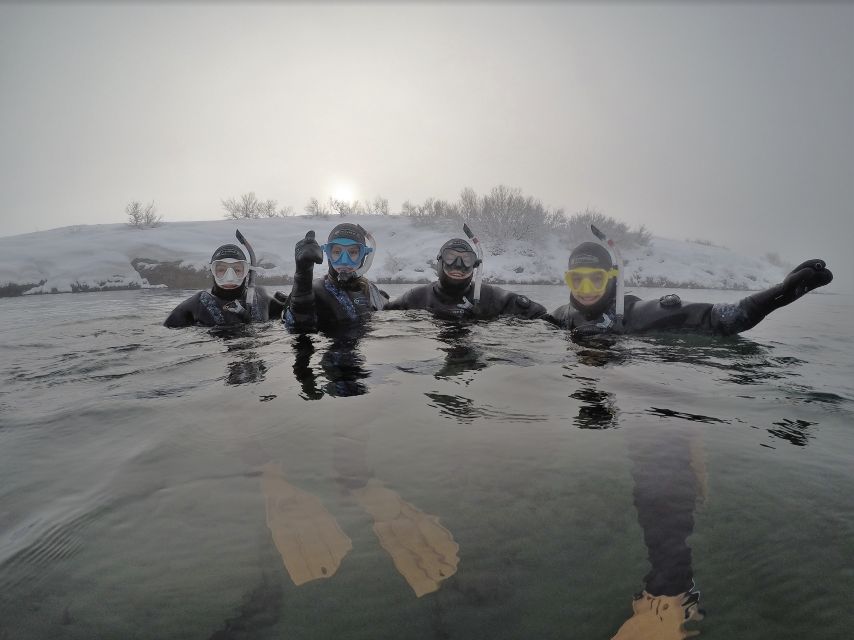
[{"x": 462, "y": 260}]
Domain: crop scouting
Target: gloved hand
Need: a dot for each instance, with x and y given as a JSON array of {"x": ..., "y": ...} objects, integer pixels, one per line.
[
  {"x": 307, "y": 253},
  {"x": 805, "y": 277}
]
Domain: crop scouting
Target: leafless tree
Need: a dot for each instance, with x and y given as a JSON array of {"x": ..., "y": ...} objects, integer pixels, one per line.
[
  {"x": 247, "y": 206},
  {"x": 378, "y": 206},
  {"x": 268, "y": 209},
  {"x": 315, "y": 209},
  {"x": 142, "y": 216},
  {"x": 345, "y": 208}
]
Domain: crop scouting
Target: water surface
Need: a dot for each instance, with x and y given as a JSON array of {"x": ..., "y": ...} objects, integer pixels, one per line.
[{"x": 134, "y": 462}]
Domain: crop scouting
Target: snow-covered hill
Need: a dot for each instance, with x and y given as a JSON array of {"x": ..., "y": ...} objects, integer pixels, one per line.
[{"x": 116, "y": 256}]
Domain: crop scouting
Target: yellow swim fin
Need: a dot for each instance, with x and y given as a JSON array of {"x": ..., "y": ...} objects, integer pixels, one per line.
[
  {"x": 424, "y": 552},
  {"x": 661, "y": 617},
  {"x": 307, "y": 536}
]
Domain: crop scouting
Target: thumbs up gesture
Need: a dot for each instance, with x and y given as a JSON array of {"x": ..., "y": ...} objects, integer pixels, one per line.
[{"x": 307, "y": 253}]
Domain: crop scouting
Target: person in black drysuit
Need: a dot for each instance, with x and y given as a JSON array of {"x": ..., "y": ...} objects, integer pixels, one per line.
[
  {"x": 452, "y": 296},
  {"x": 592, "y": 309},
  {"x": 225, "y": 304},
  {"x": 343, "y": 297}
]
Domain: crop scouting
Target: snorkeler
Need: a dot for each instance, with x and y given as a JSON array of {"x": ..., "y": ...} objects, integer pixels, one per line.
[
  {"x": 597, "y": 304},
  {"x": 234, "y": 298},
  {"x": 459, "y": 294},
  {"x": 341, "y": 298}
]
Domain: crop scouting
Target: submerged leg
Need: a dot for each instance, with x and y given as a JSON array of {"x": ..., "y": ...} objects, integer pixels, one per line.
[{"x": 669, "y": 475}]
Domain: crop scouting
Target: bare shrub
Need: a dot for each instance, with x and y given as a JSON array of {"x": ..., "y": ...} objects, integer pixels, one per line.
[
  {"x": 316, "y": 210},
  {"x": 506, "y": 214},
  {"x": 377, "y": 207},
  {"x": 577, "y": 229},
  {"x": 247, "y": 206},
  {"x": 346, "y": 208},
  {"x": 431, "y": 213},
  {"x": 142, "y": 216},
  {"x": 268, "y": 209}
]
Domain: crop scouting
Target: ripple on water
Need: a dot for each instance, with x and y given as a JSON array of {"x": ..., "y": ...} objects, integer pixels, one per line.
[{"x": 533, "y": 451}]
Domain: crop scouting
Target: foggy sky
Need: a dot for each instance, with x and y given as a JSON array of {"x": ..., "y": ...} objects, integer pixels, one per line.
[{"x": 727, "y": 122}]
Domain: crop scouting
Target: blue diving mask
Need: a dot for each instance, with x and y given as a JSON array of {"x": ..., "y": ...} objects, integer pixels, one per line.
[{"x": 346, "y": 253}]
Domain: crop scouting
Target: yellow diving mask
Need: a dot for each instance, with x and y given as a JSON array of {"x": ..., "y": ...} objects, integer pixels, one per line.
[{"x": 587, "y": 281}]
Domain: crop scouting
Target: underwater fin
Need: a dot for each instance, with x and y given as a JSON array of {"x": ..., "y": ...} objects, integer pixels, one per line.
[
  {"x": 307, "y": 536},
  {"x": 423, "y": 551},
  {"x": 661, "y": 617}
]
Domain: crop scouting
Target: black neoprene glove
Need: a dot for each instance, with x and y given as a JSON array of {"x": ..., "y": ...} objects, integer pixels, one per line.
[
  {"x": 805, "y": 277},
  {"x": 307, "y": 253}
]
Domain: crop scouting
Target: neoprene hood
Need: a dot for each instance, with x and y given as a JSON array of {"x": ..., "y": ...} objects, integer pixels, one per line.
[
  {"x": 594, "y": 255},
  {"x": 454, "y": 286}
]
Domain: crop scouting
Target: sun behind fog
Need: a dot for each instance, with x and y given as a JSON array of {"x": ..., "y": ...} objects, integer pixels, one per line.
[{"x": 344, "y": 191}]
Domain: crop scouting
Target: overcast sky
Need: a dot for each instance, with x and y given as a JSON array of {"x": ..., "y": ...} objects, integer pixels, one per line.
[{"x": 728, "y": 122}]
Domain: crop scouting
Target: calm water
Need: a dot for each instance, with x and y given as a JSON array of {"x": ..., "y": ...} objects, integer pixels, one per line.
[{"x": 138, "y": 466}]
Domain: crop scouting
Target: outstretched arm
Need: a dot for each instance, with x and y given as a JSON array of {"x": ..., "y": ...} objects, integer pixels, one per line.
[{"x": 751, "y": 310}]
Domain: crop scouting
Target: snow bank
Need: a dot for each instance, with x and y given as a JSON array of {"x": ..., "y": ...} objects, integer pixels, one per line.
[{"x": 115, "y": 256}]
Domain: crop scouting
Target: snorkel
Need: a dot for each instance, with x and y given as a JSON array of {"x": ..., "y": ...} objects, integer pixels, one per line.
[
  {"x": 618, "y": 262},
  {"x": 369, "y": 259},
  {"x": 250, "y": 280},
  {"x": 478, "y": 271}
]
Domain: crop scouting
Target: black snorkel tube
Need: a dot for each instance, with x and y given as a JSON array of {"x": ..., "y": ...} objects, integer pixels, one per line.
[
  {"x": 250, "y": 281},
  {"x": 618, "y": 261},
  {"x": 478, "y": 273}
]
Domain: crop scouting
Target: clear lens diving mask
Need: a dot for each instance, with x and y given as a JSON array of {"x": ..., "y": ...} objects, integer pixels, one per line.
[
  {"x": 587, "y": 281},
  {"x": 462, "y": 260},
  {"x": 346, "y": 253},
  {"x": 229, "y": 273}
]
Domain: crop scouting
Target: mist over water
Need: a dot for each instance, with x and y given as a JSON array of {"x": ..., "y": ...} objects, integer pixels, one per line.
[{"x": 140, "y": 469}]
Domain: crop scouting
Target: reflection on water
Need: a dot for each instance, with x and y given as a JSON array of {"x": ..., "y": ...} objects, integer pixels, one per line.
[
  {"x": 418, "y": 479},
  {"x": 795, "y": 431},
  {"x": 598, "y": 409},
  {"x": 241, "y": 341},
  {"x": 308, "y": 537},
  {"x": 462, "y": 355},
  {"x": 342, "y": 363}
]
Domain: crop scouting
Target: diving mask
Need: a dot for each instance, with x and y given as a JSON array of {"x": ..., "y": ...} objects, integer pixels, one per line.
[
  {"x": 588, "y": 280},
  {"x": 346, "y": 253},
  {"x": 229, "y": 273},
  {"x": 462, "y": 260}
]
